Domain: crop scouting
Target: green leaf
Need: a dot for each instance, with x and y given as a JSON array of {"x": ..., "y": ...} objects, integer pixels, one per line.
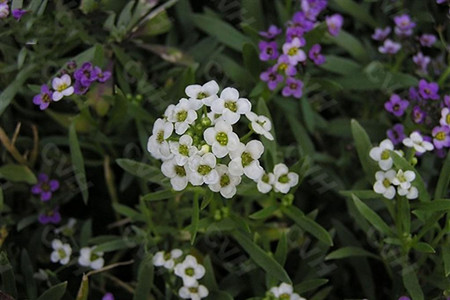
[
  {"x": 28, "y": 273},
  {"x": 261, "y": 258},
  {"x": 346, "y": 252},
  {"x": 308, "y": 114},
  {"x": 221, "y": 30},
  {"x": 145, "y": 280},
  {"x": 444, "y": 179},
  {"x": 157, "y": 196},
  {"x": 339, "y": 65},
  {"x": 83, "y": 291},
  {"x": 363, "y": 146},
  {"x": 372, "y": 216},
  {"x": 128, "y": 212},
  {"x": 7, "y": 275},
  {"x": 220, "y": 295},
  {"x": 2, "y": 200},
  {"x": 56, "y": 292},
  {"x": 78, "y": 163},
  {"x": 424, "y": 247},
  {"x": 271, "y": 146},
  {"x": 308, "y": 224},
  {"x": 195, "y": 218},
  {"x": 141, "y": 170},
  {"x": 117, "y": 244},
  {"x": 264, "y": 213},
  {"x": 445, "y": 249},
  {"x": 282, "y": 250},
  {"x": 251, "y": 60},
  {"x": 309, "y": 285},
  {"x": 361, "y": 194},
  {"x": 209, "y": 279},
  {"x": 434, "y": 206},
  {"x": 357, "y": 11},
  {"x": 252, "y": 13},
  {"x": 411, "y": 283},
  {"x": 353, "y": 46},
  {"x": 17, "y": 173}
]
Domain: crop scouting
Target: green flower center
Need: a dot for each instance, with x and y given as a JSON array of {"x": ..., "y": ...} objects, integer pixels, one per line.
[
  {"x": 222, "y": 138},
  {"x": 401, "y": 178},
  {"x": 62, "y": 87},
  {"x": 202, "y": 95},
  {"x": 282, "y": 67},
  {"x": 180, "y": 171},
  {"x": 283, "y": 178},
  {"x": 160, "y": 137},
  {"x": 231, "y": 105},
  {"x": 183, "y": 150},
  {"x": 167, "y": 256},
  {"x": 182, "y": 116},
  {"x": 285, "y": 297},
  {"x": 246, "y": 159},
  {"x": 204, "y": 169},
  {"x": 45, "y": 187},
  {"x": 292, "y": 51},
  {"x": 189, "y": 272},
  {"x": 94, "y": 256},
  {"x": 386, "y": 182},
  {"x": 447, "y": 119},
  {"x": 385, "y": 155},
  {"x": 265, "y": 178},
  {"x": 440, "y": 136},
  {"x": 46, "y": 98},
  {"x": 62, "y": 253},
  {"x": 224, "y": 180},
  {"x": 193, "y": 290}
]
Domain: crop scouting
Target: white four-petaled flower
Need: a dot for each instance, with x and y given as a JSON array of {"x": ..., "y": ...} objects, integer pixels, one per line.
[
  {"x": 382, "y": 154},
  {"x": 157, "y": 143},
  {"x": 285, "y": 292},
  {"x": 178, "y": 174},
  {"x": 190, "y": 271},
  {"x": 182, "y": 115},
  {"x": 244, "y": 160},
  {"x": 167, "y": 259},
  {"x": 284, "y": 180},
  {"x": 222, "y": 138},
  {"x": 260, "y": 124},
  {"x": 227, "y": 183},
  {"x": 383, "y": 184},
  {"x": 61, "y": 252},
  {"x": 230, "y": 106},
  {"x": 416, "y": 141},
  {"x": 62, "y": 87},
  {"x": 90, "y": 258},
  {"x": 203, "y": 169},
  {"x": 183, "y": 149},
  {"x": 265, "y": 183},
  {"x": 200, "y": 95},
  {"x": 195, "y": 292}
]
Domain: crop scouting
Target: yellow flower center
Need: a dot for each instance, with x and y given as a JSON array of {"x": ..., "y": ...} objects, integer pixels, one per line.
[
  {"x": 293, "y": 51},
  {"x": 222, "y": 138},
  {"x": 440, "y": 136}
]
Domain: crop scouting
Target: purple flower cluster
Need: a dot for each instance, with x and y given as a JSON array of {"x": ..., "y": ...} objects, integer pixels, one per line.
[
  {"x": 286, "y": 61},
  {"x": 82, "y": 77},
  {"x": 45, "y": 189},
  {"x": 16, "y": 13},
  {"x": 429, "y": 113}
]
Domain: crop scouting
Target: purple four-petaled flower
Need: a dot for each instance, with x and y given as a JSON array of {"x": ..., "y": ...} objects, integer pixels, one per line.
[
  {"x": 427, "y": 40},
  {"x": 86, "y": 74},
  {"x": 418, "y": 115},
  {"x": 422, "y": 62},
  {"x": 18, "y": 13},
  {"x": 268, "y": 50},
  {"x": 45, "y": 187},
  {"x": 428, "y": 90},
  {"x": 403, "y": 25},
  {"x": 315, "y": 55},
  {"x": 272, "y": 78},
  {"x": 334, "y": 24},
  {"x": 293, "y": 87},
  {"x": 441, "y": 137},
  {"x": 389, "y": 47},
  {"x": 44, "y": 98},
  {"x": 284, "y": 66},
  {"x": 396, "y": 105},
  {"x": 396, "y": 134},
  {"x": 381, "y": 34},
  {"x": 51, "y": 216},
  {"x": 271, "y": 33}
]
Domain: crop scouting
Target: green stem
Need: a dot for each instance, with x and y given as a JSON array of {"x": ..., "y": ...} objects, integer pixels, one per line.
[{"x": 247, "y": 136}]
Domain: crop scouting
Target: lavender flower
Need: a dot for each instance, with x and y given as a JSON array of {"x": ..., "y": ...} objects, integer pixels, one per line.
[
  {"x": 86, "y": 74},
  {"x": 315, "y": 55},
  {"x": 295, "y": 32},
  {"x": 396, "y": 105},
  {"x": 381, "y": 34},
  {"x": 441, "y": 136},
  {"x": 51, "y": 216},
  {"x": 418, "y": 115},
  {"x": 108, "y": 296},
  {"x": 427, "y": 40},
  {"x": 396, "y": 134},
  {"x": 80, "y": 89},
  {"x": 414, "y": 94},
  {"x": 18, "y": 13},
  {"x": 389, "y": 47},
  {"x": 312, "y": 8},
  {"x": 403, "y": 25},
  {"x": 404, "y": 298},
  {"x": 102, "y": 76},
  {"x": 294, "y": 87},
  {"x": 334, "y": 24},
  {"x": 268, "y": 50},
  {"x": 44, "y": 98},
  {"x": 271, "y": 33},
  {"x": 300, "y": 20},
  {"x": 4, "y": 10},
  {"x": 284, "y": 65},
  {"x": 447, "y": 100},
  {"x": 428, "y": 90},
  {"x": 271, "y": 77},
  {"x": 422, "y": 62},
  {"x": 45, "y": 187}
]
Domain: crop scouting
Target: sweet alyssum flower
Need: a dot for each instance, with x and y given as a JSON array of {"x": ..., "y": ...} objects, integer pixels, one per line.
[
  {"x": 167, "y": 259},
  {"x": 403, "y": 25},
  {"x": 90, "y": 258},
  {"x": 190, "y": 271},
  {"x": 381, "y": 34},
  {"x": 396, "y": 105},
  {"x": 195, "y": 292},
  {"x": 283, "y": 179},
  {"x": 285, "y": 292},
  {"x": 268, "y": 50},
  {"x": 18, "y": 13},
  {"x": 178, "y": 174},
  {"x": 227, "y": 183},
  {"x": 427, "y": 40},
  {"x": 293, "y": 87},
  {"x": 200, "y": 95},
  {"x": 260, "y": 124},
  {"x": 157, "y": 145},
  {"x": 62, "y": 87},
  {"x": 293, "y": 51},
  {"x": 396, "y": 134},
  {"x": 108, "y": 296},
  {"x": 231, "y": 106},
  {"x": 50, "y": 216},
  {"x": 403, "y": 181},
  {"x": 44, "y": 98},
  {"x": 4, "y": 10},
  {"x": 389, "y": 47},
  {"x": 182, "y": 115},
  {"x": 418, "y": 115},
  {"x": 265, "y": 183},
  {"x": 271, "y": 33},
  {"x": 244, "y": 160},
  {"x": 222, "y": 138},
  {"x": 445, "y": 117},
  {"x": 416, "y": 141},
  {"x": 272, "y": 77},
  {"x": 422, "y": 62},
  {"x": 441, "y": 137},
  {"x": 428, "y": 90},
  {"x": 61, "y": 252},
  {"x": 183, "y": 149},
  {"x": 45, "y": 187},
  {"x": 203, "y": 169},
  {"x": 382, "y": 155},
  {"x": 284, "y": 66},
  {"x": 334, "y": 24},
  {"x": 383, "y": 184},
  {"x": 315, "y": 55}
]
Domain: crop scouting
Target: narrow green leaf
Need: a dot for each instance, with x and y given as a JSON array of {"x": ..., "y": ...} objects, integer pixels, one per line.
[
  {"x": 372, "y": 216},
  {"x": 28, "y": 273},
  {"x": 78, "y": 163},
  {"x": 7, "y": 275},
  {"x": 118, "y": 244},
  {"x": 434, "y": 206},
  {"x": 264, "y": 213},
  {"x": 251, "y": 60},
  {"x": 361, "y": 194},
  {"x": 411, "y": 283},
  {"x": 445, "y": 249},
  {"x": 271, "y": 146},
  {"x": 356, "y": 11},
  {"x": 195, "y": 218},
  {"x": 339, "y": 65},
  {"x": 346, "y": 252},
  {"x": 209, "y": 279},
  {"x": 2, "y": 200},
  {"x": 141, "y": 170},
  {"x": 252, "y": 13},
  {"x": 308, "y": 114},
  {"x": 157, "y": 196},
  {"x": 282, "y": 250},
  {"x": 83, "y": 291},
  {"x": 220, "y": 295},
  {"x": 444, "y": 179},
  {"x": 56, "y": 292},
  {"x": 145, "y": 280},
  {"x": 363, "y": 146},
  {"x": 17, "y": 173},
  {"x": 424, "y": 247},
  {"x": 309, "y": 285}
]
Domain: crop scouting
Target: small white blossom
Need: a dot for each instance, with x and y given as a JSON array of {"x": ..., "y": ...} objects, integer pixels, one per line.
[
  {"x": 183, "y": 149},
  {"x": 203, "y": 169},
  {"x": 200, "y": 95},
  {"x": 90, "y": 258},
  {"x": 182, "y": 115},
  {"x": 230, "y": 106},
  {"x": 195, "y": 292},
  {"x": 222, "y": 138},
  {"x": 178, "y": 174},
  {"x": 404, "y": 179},
  {"x": 61, "y": 252},
  {"x": 285, "y": 292},
  {"x": 411, "y": 193},
  {"x": 227, "y": 182},
  {"x": 167, "y": 259},
  {"x": 383, "y": 184},
  {"x": 382, "y": 155},
  {"x": 190, "y": 271},
  {"x": 416, "y": 141},
  {"x": 244, "y": 160},
  {"x": 62, "y": 87},
  {"x": 168, "y": 111},
  {"x": 157, "y": 143},
  {"x": 265, "y": 183},
  {"x": 260, "y": 124},
  {"x": 284, "y": 180}
]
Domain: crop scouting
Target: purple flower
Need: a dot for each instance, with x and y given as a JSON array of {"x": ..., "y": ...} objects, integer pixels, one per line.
[
  {"x": 45, "y": 187},
  {"x": 404, "y": 298},
  {"x": 52, "y": 216},
  {"x": 80, "y": 89},
  {"x": 295, "y": 32},
  {"x": 86, "y": 74},
  {"x": 312, "y": 8},
  {"x": 427, "y": 40},
  {"x": 18, "y": 13},
  {"x": 272, "y": 32},
  {"x": 315, "y": 55},
  {"x": 102, "y": 76},
  {"x": 4, "y": 10},
  {"x": 413, "y": 94},
  {"x": 72, "y": 65},
  {"x": 284, "y": 65},
  {"x": 403, "y": 25},
  {"x": 381, "y": 34},
  {"x": 271, "y": 77},
  {"x": 293, "y": 51},
  {"x": 441, "y": 2},
  {"x": 334, "y": 24},
  {"x": 396, "y": 105},
  {"x": 268, "y": 50},
  {"x": 44, "y": 98},
  {"x": 389, "y": 47},
  {"x": 396, "y": 134},
  {"x": 428, "y": 90},
  {"x": 447, "y": 100},
  {"x": 441, "y": 136},
  {"x": 445, "y": 117},
  {"x": 422, "y": 62},
  {"x": 108, "y": 296},
  {"x": 300, "y": 20},
  {"x": 418, "y": 115},
  {"x": 294, "y": 87}
]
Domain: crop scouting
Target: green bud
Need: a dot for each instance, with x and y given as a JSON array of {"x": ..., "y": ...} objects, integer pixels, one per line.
[
  {"x": 139, "y": 98},
  {"x": 199, "y": 127},
  {"x": 129, "y": 96},
  {"x": 287, "y": 200},
  {"x": 206, "y": 122},
  {"x": 217, "y": 215},
  {"x": 414, "y": 161}
]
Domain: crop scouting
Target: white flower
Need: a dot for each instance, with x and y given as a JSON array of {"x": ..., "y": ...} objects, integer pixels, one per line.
[
  {"x": 67, "y": 229},
  {"x": 167, "y": 259},
  {"x": 382, "y": 155},
  {"x": 61, "y": 252},
  {"x": 89, "y": 258},
  {"x": 404, "y": 179},
  {"x": 182, "y": 115},
  {"x": 202, "y": 94},
  {"x": 222, "y": 138},
  {"x": 190, "y": 271},
  {"x": 293, "y": 51},
  {"x": 230, "y": 106},
  {"x": 260, "y": 124},
  {"x": 195, "y": 292},
  {"x": 214, "y": 117},
  {"x": 62, "y": 87},
  {"x": 383, "y": 184},
  {"x": 265, "y": 183},
  {"x": 284, "y": 179},
  {"x": 168, "y": 111},
  {"x": 183, "y": 149},
  {"x": 177, "y": 174},
  {"x": 157, "y": 143},
  {"x": 244, "y": 160},
  {"x": 227, "y": 182},
  {"x": 203, "y": 169},
  {"x": 415, "y": 140},
  {"x": 285, "y": 292},
  {"x": 411, "y": 193}
]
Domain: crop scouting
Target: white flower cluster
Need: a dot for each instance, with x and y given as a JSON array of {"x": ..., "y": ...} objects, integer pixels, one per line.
[
  {"x": 197, "y": 144},
  {"x": 88, "y": 257},
  {"x": 284, "y": 292},
  {"x": 390, "y": 181},
  {"x": 188, "y": 269}
]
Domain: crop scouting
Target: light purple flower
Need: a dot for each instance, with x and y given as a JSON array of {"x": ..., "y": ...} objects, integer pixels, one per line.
[
  {"x": 418, "y": 115},
  {"x": 312, "y": 8},
  {"x": 427, "y": 40},
  {"x": 102, "y": 76},
  {"x": 52, "y": 216},
  {"x": 445, "y": 117},
  {"x": 396, "y": 105},
  {"x": 293, "y": 51},
  {"x": 271, "y": 77},
  {"x": 80, "y": 89},
  {"x": 389, "y": 47},
  {"x": 422, "y": 62},
  {"x": 334, "y": 24},
  {"x": 86, "y": 74},
  {"x": 272, "y": 32},
  {"x": 381, "y": 34},
  {"x": 44, "y": 98},
  {"x": 4, "y": 10},
  {"x": 45, "y": 187},
  {"x": 294, "y": 87},
  {"x": 108, "y": 296},
  {"x": 403, "y": 25},
  {"x": 447, "y": 100},
  {"x": 396, "y": 134},
  {"x": 413, "y": 94},
  {"x": 284, "y": 66},
  {"x": 428, "y": 90},
  {"x": 315, "y": 55},
  {"x": 18, "y": 13},
  {"x": 268, "y": 50},
  {"x": 300, "y": 20},
  {"x": 442, "y": 2},
  {"x": 441, "y": 136},
  {"x": 404, "y": 298},
  {"x": 295, "y": 32}
]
